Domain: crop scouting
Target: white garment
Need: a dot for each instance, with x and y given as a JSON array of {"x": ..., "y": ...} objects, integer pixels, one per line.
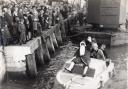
[
  {"x": 82, "y": 50},
  {"x": 71, "y": 66}
]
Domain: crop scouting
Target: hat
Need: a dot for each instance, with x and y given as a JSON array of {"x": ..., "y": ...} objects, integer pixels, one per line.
[
  {"x": 82, "y": 43},
  {"x": 82, "y": 48}
]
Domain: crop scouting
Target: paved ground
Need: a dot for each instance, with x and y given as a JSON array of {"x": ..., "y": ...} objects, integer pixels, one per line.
[{"x": 46, "y": 78}]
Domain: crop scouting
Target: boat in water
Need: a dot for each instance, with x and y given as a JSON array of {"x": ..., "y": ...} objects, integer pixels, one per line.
[{"x": 97, "y": 75}]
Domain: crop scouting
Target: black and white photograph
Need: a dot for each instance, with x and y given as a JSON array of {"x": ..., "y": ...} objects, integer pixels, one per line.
[{"x": 63, "y": 44}]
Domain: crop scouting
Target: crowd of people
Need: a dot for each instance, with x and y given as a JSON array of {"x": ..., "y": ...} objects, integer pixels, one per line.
[
  {"x": 88, "y": 49},
  {"x": 19, "y": 23}
]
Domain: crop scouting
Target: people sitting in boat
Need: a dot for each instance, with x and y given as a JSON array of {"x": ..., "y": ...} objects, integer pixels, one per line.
[
  {"x": 82, "y": 57},
  {"x": 94, "y": 50},
  {"x": 90, "y": 40},
  {"x": 103, "y": 51},
  {"x": 98, "y": 53}
]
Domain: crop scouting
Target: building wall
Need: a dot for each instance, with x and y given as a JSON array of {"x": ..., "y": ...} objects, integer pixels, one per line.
[
  {"x": 93, "y": 11},
  {"x": 109, "y": 13}
]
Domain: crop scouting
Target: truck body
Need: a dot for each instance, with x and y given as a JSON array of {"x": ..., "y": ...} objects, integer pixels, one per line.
[{"x": 107, "y": 13}]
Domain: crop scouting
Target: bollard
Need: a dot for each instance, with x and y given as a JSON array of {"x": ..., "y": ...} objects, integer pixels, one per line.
[
  {"x": 46, "y": 53},
  {"x": 54, "y": 41},
  {"x": 58, "y": 34},
  {"x": 50, "y": 46}
]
